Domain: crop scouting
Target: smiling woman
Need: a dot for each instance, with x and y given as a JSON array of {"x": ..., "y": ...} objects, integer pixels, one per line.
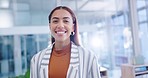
[
  {"x": 61, "y": 26},
  {"x": 64, "y": 58}
]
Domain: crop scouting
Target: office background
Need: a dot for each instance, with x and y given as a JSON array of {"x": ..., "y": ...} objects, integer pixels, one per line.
[{"x": 116, "y": 30}]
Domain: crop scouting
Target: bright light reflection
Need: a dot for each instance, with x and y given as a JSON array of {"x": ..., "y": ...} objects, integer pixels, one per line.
[
  {"x": 127, "y": 37},
  {"x": 4, "y": 3},
  {"x": 5, "y": 20},
  {"x": 96, "y": 42}
]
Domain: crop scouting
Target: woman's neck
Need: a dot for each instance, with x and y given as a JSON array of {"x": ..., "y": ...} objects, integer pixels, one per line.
[{"x": 61, "y": 45}]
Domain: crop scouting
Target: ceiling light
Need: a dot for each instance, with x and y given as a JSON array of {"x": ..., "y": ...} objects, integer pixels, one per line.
[{"x": 4, "y": 3}]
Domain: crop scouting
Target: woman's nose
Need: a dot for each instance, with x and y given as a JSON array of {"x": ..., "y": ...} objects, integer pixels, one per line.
[{"x": 61, "y": 24}]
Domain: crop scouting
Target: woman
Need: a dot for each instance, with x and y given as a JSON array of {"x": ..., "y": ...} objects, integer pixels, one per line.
[{"x": 64, "y": 58}]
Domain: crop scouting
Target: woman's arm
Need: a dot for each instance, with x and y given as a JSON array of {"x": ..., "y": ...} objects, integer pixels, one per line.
[
  {"x": 95, "y": 71},
  {"x": 32, "y": 68}
]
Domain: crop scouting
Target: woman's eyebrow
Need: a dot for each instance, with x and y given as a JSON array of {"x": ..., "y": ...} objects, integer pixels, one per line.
[
  {"x": 59, "y": 18},
  {"x": 55, "y": 18},
  {"x": 66, "y": 17}
]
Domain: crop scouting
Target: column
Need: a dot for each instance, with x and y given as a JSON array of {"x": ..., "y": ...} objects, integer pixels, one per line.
[
  {"x": 17, "y": 55},
  {"x": 134, "y": 28}
]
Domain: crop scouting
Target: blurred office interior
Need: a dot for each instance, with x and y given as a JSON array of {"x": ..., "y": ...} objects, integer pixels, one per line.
[{"x": 115, "y": 30}]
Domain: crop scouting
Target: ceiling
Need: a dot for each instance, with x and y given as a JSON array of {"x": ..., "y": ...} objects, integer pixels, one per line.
[
  {"x": 95, "y": 10},
  {"x": 87, "y": 11}
]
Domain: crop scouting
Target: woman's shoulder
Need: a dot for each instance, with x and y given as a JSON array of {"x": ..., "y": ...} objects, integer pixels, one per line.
[
  {"x": 38, "y": 55},
  {"x": 87, "y": 55},
  {"x": 41, "y": 53}
]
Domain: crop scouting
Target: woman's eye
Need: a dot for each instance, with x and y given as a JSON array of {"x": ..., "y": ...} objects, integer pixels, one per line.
[
  {"x": 55, "y": 21},
  {"x": 66, "y": 21}
]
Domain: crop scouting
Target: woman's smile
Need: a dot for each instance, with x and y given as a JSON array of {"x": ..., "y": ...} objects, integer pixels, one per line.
[{"x": 60, "y": 32}]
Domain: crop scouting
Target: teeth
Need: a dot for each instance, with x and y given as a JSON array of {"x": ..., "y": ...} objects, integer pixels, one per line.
[{"x": 60, "y": 32}]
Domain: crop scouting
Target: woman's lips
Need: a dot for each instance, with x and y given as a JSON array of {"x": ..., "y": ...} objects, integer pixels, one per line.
[{"x": 60, "y": 32}]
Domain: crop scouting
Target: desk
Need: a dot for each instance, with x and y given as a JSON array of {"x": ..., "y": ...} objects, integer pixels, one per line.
[
  {"x": 132, "y": 71},
  {"x": 103, "y": 72}
]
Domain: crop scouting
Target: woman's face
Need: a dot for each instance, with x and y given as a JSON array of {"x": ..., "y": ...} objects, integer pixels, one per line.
[{"x": 61, "y": 25}]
